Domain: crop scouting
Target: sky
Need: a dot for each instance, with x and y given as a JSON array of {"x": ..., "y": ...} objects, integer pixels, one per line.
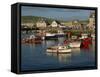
[{"x": 56, "y": 13}]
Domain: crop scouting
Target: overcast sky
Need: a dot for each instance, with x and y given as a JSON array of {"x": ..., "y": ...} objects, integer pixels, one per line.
[{"x": 56, "y": 13}]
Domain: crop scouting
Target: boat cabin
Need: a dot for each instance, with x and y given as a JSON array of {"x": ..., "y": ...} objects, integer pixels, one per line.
[{"x": 84, "y": 36}]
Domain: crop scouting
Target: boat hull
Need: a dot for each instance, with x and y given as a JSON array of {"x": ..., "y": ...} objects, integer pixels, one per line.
[
  {"x": 31, "y": 41},
  {"x": 50, "y": 37},
  {"x": 75, "y": 45},
  {"x": 54, "y": 37},
  {"x": 59, "y": 35},
  {"x": 59, "y": 51}
]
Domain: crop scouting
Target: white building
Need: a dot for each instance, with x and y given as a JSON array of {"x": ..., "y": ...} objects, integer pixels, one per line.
[
  {"x": 28, "y": 24},
  {"x": 76, "y": 25},
  {"x": 55, "y": 24},
  {"x": 42, "y": 23},
  {"x": 91, "y": 24}
]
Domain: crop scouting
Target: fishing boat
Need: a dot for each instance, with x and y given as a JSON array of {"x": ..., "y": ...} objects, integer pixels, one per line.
[
  {"x": 86, "y": 43},
  {"x": 50, "y": 35},
  {"x": 32, "y": 40},
  {"x": 60, "y": 34},
  {"x": 59, "y": 49},
  {"x": 83, "y": 36},
  {"x": 75, "y": 44}
]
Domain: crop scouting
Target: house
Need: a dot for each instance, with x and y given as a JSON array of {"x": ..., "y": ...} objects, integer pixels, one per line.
[
  {"x": 76, "y": 25},
  {"x": 91, "y": 24},
  {"x": 41, "y": 23},
  {"x": 28, "y": 24},
  {"x": 55, "y": 24}
]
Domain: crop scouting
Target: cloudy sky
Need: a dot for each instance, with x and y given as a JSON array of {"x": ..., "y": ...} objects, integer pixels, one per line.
[{"x": 56, "y": 13}]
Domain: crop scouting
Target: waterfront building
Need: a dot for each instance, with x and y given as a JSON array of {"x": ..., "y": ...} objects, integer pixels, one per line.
[
  {"x": 76, "y": 25},
  {"x": 41, "y": 23},
  {"x": 91, "y": 24},
  {"x": 27, "y": 25},
  {"x": 55, "y": 24}
]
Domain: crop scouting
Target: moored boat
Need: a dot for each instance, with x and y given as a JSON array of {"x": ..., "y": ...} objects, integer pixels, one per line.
[
  {"x": 50, "y": 36},
  {"x": 75, "y": 44},
  {"x": 32, "y": 40},
  {"x": 83, "y": 36},
  {"x": 60, "y": 34},
  {"x": 86, "y": 43},
  {"x": 59, "y": 49}
]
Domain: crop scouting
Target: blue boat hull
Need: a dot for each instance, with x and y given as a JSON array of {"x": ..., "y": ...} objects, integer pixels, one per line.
[
  {"x": 54, "y": 37},
  {"x": 50, "y": 37},
  {"x": 59, "y": 35}
]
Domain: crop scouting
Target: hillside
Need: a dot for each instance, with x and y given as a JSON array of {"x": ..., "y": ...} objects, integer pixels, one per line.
[{"x": 34, "y": 19}]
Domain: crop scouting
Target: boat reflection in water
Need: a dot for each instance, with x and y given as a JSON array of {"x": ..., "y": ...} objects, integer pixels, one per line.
[
  {"x": 62, "y": 57},
  {"x": 65, "y": 57},
  {"x": 34, "y": 56},
  {"x": 93, "y": 45},
  {"x": 76, "y": 51}
]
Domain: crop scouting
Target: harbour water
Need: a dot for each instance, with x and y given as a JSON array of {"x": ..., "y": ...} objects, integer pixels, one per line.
[{"x": 35, "y": 57}]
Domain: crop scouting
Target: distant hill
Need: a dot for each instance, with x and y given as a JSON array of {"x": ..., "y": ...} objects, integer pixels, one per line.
[{"x": 34, "y": 19}]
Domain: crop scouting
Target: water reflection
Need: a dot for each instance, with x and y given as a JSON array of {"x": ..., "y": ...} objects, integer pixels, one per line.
[
  {"x": 62, "y": 57},
  {"x": 34, "y": 56},
  {"x": 65, "y": 57},
  {"x": 76, "y": 51},
  {"x": 93, "y": 45}
]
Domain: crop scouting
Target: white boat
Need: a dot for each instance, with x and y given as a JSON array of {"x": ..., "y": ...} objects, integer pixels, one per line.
[
  {"x": 59, "y": 49},
  {"x": 49, "y": 34},
  {"x": 60, "y": 34},
  {"x": 62, "y": 57},
  {"x": 83, "y": 36},
  {"x": 93, "y": 36},
  {"x": 75, "y": 44}
]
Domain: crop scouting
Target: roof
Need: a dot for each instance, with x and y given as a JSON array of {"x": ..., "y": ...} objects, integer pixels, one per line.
[
  {"x": 57, "y": 22},
  {"x": 44, "y": 20}
]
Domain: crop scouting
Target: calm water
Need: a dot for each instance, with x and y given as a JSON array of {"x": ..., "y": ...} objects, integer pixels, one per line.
[{"x": 34, "y": 57}]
